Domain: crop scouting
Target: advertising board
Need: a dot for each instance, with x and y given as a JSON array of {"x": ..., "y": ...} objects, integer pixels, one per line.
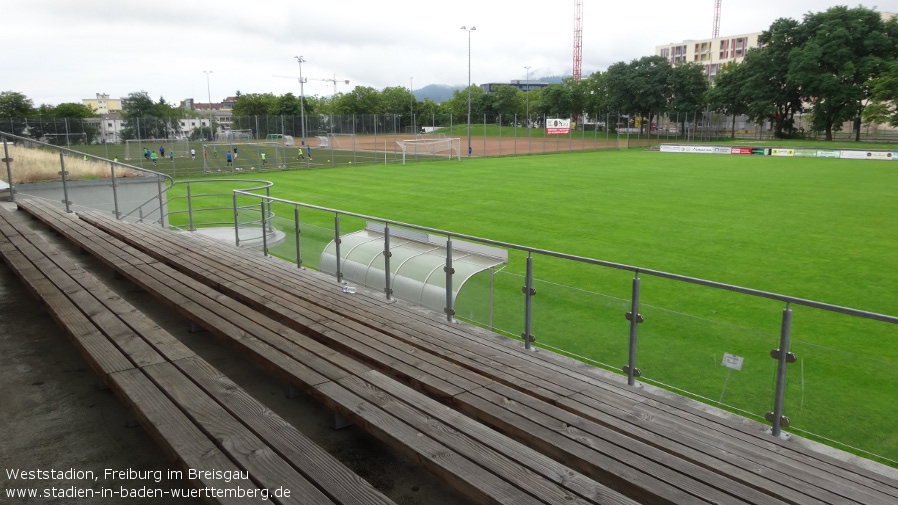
[{"x": 558, "y": 126}]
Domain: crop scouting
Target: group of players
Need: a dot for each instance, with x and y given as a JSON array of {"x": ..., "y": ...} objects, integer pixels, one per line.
[{"x": 229, "y": 157}]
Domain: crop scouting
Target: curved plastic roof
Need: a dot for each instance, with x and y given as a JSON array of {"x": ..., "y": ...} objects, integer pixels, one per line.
[{"x": 416, "y": 264}]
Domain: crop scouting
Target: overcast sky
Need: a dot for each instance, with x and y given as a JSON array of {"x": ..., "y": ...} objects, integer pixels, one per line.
[{"x": 58, "y": 51}]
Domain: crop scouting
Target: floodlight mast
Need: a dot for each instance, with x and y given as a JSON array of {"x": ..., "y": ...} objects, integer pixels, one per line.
[
  {"x": 209, "y": 96},
  {"x": 528, "y": 99},
  {"x": 469, "y": 30},
  {"x": 302, "y": 107}
]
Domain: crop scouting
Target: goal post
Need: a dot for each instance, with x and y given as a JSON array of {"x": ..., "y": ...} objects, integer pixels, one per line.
[
  {"x": 438, "y": 148},
  {"x": 245, "y": 156},
  {"x": 134, "y": 148}
]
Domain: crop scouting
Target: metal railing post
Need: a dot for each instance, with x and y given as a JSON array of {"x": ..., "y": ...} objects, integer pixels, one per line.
[
  {"x": 450, "y": 311},
  {"x": 337, "y": 246},
  {"x": 635, "y": 319},
  {"x": 388, "y": 290},
  {"x": 270, "y": 221},
  {"x": 191, "y": 227},
  {"x": 528, "y": 291},
  {"x": 264, "y": 229},
  {"x": 65, "y": 184},
  {"x": 296, "y": 231},
  {"x": 783, "y": 357},
  {"x": 118, "y": 214},
  {"x": 236, "y": 223},
  {"x": 161, "y": 202},
  {"x": 7, "y": 160}
]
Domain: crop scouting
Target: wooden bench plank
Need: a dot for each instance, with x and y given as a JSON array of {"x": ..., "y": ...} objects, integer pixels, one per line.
[
  {"x": 540, "y": 475},
  {"x": 338, "y": 482},
  {"x": 249, "y": 452},
  {"x": 176, "y": 434}
]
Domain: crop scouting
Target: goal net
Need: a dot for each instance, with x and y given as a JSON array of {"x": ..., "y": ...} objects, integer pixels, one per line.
[
  {"x": 134, "y": 149},
  {"x": 234, "y": 135},
  {"x": 439, "y": 147},
  {"x": 323, "y": 142},
  {"x": 244, "y": 156},
  {"x": 342, "y": 140}
]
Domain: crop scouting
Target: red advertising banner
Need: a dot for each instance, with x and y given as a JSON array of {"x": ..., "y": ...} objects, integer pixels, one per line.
[{"x": 740, "y": 150}]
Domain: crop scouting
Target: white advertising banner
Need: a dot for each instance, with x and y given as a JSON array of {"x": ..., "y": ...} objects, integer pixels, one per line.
[{"x": 558, "y": 126}]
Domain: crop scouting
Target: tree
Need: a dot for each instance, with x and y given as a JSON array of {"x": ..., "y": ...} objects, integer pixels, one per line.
[
  {"x": 556, "y": 101},
  {"x": 507, "y": 102},
  {"x": 287, "y": 105},
  {"x": 71, "y": 109},
  {"x": 728, "y": 95},
  {"x": 768, "y": 92},
  {"x": 596, "y": 94},
  {"x": 15, "y": 105},
  {"x": 146, "y": 119},
  {"x": 688, "y": 88},
  {"x": 884, "y": 92},
  {"x": 643, "y": 86},
  {"x": 839, "y": 52},
  {"x": 254, "y": 104},
  {"x": 361, "y": 100}
]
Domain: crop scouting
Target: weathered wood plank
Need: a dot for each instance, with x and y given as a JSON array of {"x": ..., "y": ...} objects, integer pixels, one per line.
[
  {"x": 250, "y": 453},
  {"x": 338, "y": 482},
  {"x": 176, "y": 434}
]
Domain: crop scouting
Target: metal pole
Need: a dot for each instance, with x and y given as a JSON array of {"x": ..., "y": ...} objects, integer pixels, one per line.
[
  {"x": 469, "y": 30},
  {"x": 337, "y": 245},
  {"x": 118, "y": 214},
  {"x": 161, "y": 202},
  {"x": 296, "y": 230},
  {"x": 264, "y": 231},
  {"x": 635, "y": 318},
  {"x": 449, "y": 271},
  {"x": 65, "y": 186},
  {"x": 236, "y": 223},
  {"x": 783, "y": 357},
  {"x": 7, "y": 159},
  {"x": 190, "y": 209},
  {"x": 528, "y": 304},
  {"x": 302, "y": 107},
  {"x": 388, "y": 290}
]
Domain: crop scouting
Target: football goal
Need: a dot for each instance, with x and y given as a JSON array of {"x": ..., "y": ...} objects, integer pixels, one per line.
[
  {"x": 439, "y": 147},
  {"x": 244, "y": 156},
  {"x": 134, "y": 149}
]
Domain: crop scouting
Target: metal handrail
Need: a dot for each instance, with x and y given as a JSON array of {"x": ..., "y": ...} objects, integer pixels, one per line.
[{"x": 636, "y": 270}]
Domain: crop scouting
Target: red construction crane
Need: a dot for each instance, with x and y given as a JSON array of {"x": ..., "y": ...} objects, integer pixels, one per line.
[
  {"x": 716, "y": 31},
  {"x": 578, "y": 41}
]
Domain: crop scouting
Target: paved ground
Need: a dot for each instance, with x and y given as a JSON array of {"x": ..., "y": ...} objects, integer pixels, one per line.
[{"x": 53, "y": 416}]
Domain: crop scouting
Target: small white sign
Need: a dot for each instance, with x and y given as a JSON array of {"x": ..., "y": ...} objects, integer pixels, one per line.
[{"x": 732, "y": 361}]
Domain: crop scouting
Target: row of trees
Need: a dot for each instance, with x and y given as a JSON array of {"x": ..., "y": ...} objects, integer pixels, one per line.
[{"x": 839, "y": 65}]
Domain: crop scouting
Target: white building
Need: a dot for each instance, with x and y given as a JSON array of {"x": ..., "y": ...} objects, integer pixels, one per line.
[{"x": 712, "y": 53}]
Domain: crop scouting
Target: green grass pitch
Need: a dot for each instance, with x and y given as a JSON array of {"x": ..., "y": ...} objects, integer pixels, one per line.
[{"x": 821, "y": 229}]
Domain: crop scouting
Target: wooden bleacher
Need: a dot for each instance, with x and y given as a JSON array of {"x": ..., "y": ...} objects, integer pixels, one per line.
[
  {"x": 482, "y": 464},
  {"x": 649, "y": 447},
  {"x": 201, "y": 419}
]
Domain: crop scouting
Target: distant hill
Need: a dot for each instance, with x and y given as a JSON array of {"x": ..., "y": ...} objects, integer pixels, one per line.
[
  {"x": 436, "y": 92},
  {"x": 442, "y": 92}
]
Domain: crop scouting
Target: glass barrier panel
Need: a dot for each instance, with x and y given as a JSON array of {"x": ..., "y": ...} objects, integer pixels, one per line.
[
  {"x": 841, "y": 387},
  {"x": 493, "y": 300},
  {"x": 584, "y": 321},
  {"x": 710, "y": 344}
]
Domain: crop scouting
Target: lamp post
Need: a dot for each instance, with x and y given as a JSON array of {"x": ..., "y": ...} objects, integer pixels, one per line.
[
  {"x": 528, "y": 99},
  {"x": 469, "y": 30},
  {"x": 209, "y": 96},
  {"x": 302, "y": 107},
  {"x": 411, "y": 102}
]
